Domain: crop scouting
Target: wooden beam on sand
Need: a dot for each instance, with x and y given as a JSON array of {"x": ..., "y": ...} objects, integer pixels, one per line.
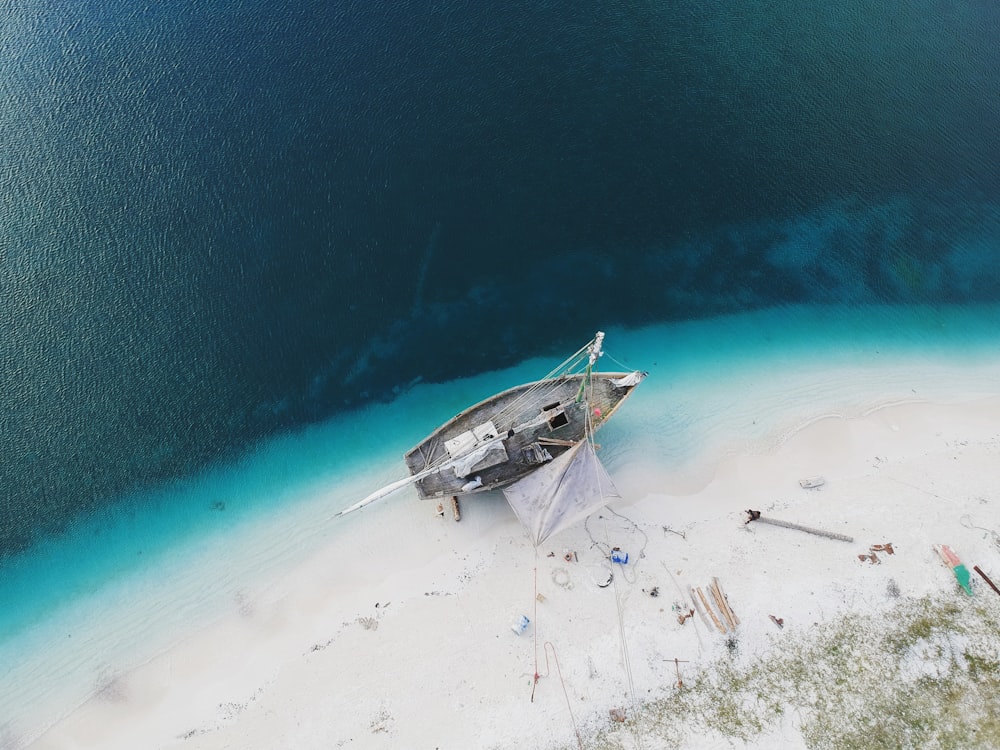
[
  {"x": 986, "y": 578},
  {"x": 697, "y": 606},
  {"x": 722, "y": 607},
  {"x": 711, "y": 612},
  {"x": 724, "y": 604},
  {"x": 754, "y": 515}
]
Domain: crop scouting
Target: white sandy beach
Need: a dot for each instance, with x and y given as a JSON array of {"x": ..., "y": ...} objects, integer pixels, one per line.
[{"x": 399, "y": 633}]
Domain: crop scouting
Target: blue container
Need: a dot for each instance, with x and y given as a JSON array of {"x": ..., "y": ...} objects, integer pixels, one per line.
[{"x": 617, "y": 556}]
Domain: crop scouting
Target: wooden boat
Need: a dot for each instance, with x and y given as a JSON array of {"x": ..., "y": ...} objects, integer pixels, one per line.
[{"x": 504, "y": 440}]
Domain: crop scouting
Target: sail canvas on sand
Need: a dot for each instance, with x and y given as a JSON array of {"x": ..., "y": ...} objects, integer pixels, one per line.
[{"x": 534, "y": 442}]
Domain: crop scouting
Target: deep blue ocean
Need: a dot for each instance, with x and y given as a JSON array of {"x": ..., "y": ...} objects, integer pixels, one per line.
[{"x": 228, "y": 223}]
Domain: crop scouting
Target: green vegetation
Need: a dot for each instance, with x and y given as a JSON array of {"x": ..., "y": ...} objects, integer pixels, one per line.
[{"x": 924, "y": 674}]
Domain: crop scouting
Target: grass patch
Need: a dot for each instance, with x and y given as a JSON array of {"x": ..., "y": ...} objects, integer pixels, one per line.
[{"x": 925, "y": 674}]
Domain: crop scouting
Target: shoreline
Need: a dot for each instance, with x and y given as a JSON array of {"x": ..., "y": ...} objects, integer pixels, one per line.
[{"x": 400, "y": 630}]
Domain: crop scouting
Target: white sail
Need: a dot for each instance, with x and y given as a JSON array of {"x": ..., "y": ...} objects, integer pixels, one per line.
[{"x": 561, "y": 492}]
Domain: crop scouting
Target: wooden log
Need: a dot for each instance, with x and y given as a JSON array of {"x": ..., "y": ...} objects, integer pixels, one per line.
[
  {"x": 711, "y": 612},
  {"x": 725, "y": 600},
  {"x": 754, "y": 515},
  {"x": 717, "y": 597},
  {"x": 454, "y": 508},
  {"x": 736, "y": 619},
  {"x": 724, "y": 604},
  {"x": 697, "y": 606}
]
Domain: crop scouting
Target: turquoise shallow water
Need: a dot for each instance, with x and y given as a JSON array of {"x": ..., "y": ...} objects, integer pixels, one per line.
[{"x": 119, "y": 587}]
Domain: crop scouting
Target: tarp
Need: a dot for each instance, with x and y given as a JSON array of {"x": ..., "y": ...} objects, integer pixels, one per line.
[
  {"x": 561, "y": 492},
  {"x": 486, "y": 455}
]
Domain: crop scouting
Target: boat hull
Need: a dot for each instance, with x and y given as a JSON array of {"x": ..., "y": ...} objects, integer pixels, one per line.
[{"x": 513, "y": 427}]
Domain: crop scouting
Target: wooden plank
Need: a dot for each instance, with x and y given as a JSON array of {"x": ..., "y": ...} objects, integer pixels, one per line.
[
  {"x": 725, "y": 603},
  {"x": 719, "y": 625},
  {"x": 697, "y": 606},
  {"x": 721, "y": 604}
]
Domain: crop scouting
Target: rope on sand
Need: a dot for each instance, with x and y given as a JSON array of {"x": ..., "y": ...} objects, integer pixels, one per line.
[
  {"x": 548, "y": 647},
  {"x": 621, "y": 630},
  {"x": 534, "y": 630},
  {"x": 606, "y": 548},
  {"x": 966, "y": 521}
]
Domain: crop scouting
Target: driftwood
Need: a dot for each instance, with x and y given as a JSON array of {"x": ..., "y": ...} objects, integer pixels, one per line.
[
  {"x": 454, "y": 508},
  {"x": 754, "y": 515}
]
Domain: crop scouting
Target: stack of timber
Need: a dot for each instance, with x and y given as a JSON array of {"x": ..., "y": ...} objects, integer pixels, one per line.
[{"x": 715, "y": 606}]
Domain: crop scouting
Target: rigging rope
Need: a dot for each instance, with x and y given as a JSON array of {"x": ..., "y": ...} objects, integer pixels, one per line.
[
  {"x": 622, "y": 365},
  {"x": 626, "y": 659},
  {"x": 546, "y": 647},
  {"x": 625, "y": 654},
  {"x": 966, "y": 521},
  {"x": 534, "y": 630},
  {"x": 569, "y": 366},
  {"x": 641, "y": 555}
]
